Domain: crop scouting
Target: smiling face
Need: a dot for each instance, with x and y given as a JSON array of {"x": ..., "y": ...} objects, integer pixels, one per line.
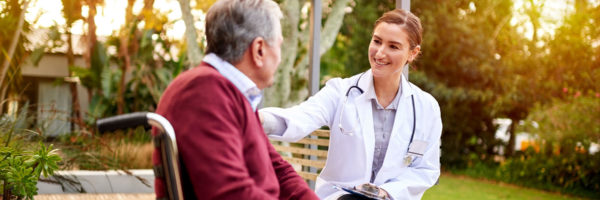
[{"x": 389, "y": 51}]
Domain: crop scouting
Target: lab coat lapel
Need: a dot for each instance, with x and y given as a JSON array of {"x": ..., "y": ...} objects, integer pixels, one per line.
[
  {"x": 365, "y": 115},
  {"x": 403, "y": 118},
  {"x": 403, "y": 122}
]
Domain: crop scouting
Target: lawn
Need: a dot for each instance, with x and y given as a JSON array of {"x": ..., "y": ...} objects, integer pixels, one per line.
[{"x": 460, "y": 187}]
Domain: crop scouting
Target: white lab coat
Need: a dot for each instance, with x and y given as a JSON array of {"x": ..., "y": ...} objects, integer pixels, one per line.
[{"x": 350, "y": 158}]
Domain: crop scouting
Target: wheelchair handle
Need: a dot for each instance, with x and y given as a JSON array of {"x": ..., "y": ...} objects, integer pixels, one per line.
[
  {"x": 124, "y": 121},
  {"x": 132, "y": 120}
]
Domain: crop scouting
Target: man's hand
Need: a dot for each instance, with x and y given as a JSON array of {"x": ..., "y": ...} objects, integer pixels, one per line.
[{"x": 261, "y": 118}]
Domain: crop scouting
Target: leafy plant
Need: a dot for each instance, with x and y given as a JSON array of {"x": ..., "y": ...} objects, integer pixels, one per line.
[{"x": 21, "y": 168}]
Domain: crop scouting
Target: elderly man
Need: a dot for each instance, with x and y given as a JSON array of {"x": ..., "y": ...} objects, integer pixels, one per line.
[{"x": 223, "y": 150}]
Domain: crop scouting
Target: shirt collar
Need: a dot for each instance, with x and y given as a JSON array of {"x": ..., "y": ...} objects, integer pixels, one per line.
[
  {"x": 370, "y": 94},
  {"x": 246, "y": 86},
  {"x": 366, "y": 81}
]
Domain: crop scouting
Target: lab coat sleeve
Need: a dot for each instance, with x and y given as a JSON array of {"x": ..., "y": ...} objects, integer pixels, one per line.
[
  {"x": 414, "y": 180},
  {"x": 302, "y": 119}
]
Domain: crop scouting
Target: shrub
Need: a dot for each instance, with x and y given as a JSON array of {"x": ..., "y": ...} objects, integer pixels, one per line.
[
  {"x": 566, "y": 128},
  {"x": 562, "y": 161},
  {"x": 577, "y": 174}
]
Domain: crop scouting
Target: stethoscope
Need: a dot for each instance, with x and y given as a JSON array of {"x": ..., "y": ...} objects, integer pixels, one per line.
[{"x": 408, "y": 159}]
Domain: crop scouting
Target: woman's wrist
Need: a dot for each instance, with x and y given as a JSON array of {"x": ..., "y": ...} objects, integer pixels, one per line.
[
  {"x": 374, "y": 191},
  {"x": 383, "y": 194}
]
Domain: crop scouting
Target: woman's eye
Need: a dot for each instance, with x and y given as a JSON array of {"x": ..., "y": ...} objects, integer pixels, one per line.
[
  {"x": 394, "y": 47},
  {"x": 377, "y": 41}
]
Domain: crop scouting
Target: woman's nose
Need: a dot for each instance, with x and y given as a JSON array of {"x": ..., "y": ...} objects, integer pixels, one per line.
[{"x": 380, "y": 52}]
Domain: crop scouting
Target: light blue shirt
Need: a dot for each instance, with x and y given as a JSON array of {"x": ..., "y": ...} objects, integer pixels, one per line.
[
  {"x": 239, "y": 79},
  {"x": 383, "y": 122}
]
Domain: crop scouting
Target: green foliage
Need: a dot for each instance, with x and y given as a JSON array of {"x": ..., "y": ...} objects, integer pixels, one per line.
[
  {"x": 20, "y": 167},
  {"x": 103, "y": 102},
  {"x": 578, "y": 173},
  {"x": 348, "y": 55},
  {"x": 464, "y": 142},
  {"x": 53, "y": 41},
  {"x": 107, "y": 151},
  {"x": 458, "y": 67},
  {"x": 153, "y": 69},
  {"x": 574, "y": 54},
  {"x": 9, "y": 18},
  {"x": 573, "y": 123},
  {"x": 45, "y": 160},
  {"x": 20, "y": 178},
  {"x": 564, "y": 130}
]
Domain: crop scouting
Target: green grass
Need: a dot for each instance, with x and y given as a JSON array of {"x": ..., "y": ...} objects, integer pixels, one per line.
[{"x": 461, "y": 187}]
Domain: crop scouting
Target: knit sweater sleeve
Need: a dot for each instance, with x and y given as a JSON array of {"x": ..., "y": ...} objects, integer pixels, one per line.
[{"x": 291, "y": 184}]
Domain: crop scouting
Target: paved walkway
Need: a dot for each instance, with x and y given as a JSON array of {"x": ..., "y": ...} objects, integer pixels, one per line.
[{"x": 146, "y": 196}]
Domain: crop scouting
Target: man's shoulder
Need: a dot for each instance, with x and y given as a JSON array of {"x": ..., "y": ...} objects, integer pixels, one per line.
[
  {"x": 203, "y": 71},
  {"x": 199, "y": 91},
  {"x": 200, "y": 83},
  {"x": 203, "y": 75}
]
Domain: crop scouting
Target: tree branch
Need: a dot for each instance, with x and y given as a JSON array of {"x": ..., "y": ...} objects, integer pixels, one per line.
[{"x": 193, "y": 50}]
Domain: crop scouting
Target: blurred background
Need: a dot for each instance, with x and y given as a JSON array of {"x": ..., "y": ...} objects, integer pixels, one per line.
[{"x": 515, "y": 79}]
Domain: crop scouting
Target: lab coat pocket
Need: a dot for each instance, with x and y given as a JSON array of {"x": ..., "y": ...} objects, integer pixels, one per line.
[{"x": 416, "y": 151}]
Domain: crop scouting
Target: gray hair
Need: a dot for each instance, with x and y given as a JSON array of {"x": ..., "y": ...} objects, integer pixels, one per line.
[{"x": 231, "y": 25}]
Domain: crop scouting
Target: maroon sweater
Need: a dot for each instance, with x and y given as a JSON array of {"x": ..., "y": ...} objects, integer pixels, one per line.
[{"x": 223, "y": 150}]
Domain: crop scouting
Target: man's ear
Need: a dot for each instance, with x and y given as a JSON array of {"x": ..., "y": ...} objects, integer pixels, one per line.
[{"x": 257, "y": 51}]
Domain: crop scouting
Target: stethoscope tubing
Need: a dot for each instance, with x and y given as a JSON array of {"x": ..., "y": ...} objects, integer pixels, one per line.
[{"x": 355, "y": 86}]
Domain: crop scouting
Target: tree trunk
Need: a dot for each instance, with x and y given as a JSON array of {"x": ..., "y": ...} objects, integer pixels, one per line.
[
  {"x": 11, "y": 52},
  {"x": 291, "y": 79},
  {"x": 125, "y": 55},
  {"x": 510, "y": 147},
  {"x": 91, "y": 39},
  {"x": 193, "y": 50},
  {"x": 3, "y": 90},
  {"x": 76, "y": 110},
  {"x": 281, "y": 88},
  {"x": 6, "y": 190}
]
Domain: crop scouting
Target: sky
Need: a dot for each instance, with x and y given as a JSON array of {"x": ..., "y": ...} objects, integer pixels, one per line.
[
  {"x": 552, "y": 15},
  {"x": 111, "y": 16}
]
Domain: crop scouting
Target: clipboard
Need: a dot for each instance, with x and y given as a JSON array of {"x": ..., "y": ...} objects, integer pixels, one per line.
[{"x": 360, "y": 193}]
